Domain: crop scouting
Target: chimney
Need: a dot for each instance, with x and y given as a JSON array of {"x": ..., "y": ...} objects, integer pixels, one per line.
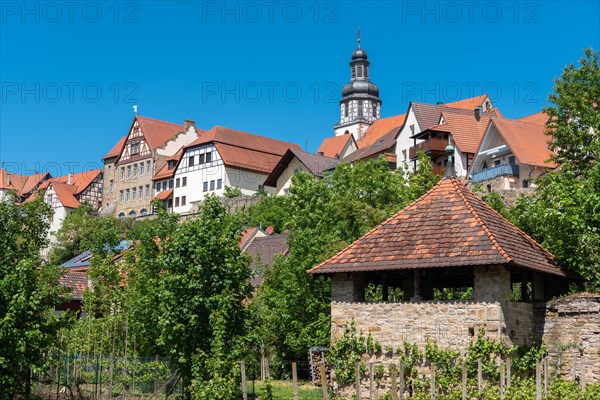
[
  {"x": 7, "y": 179},
  {"x": 189, "y": 122},
  {"x": 320, "y": 153},
  {"x": 440, "y": 103},
  {"x": 478, "y": 112},
  {"x": 70, "y": 178}
]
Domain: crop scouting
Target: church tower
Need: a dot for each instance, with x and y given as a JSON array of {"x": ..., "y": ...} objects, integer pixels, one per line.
[{"x": 360, "y": 104}]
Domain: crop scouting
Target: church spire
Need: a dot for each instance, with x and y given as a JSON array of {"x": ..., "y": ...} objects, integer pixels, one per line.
[{"x": 360, "y": 103}]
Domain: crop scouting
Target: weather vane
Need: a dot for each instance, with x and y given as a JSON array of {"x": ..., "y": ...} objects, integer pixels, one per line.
[{"x": 358, "y": 36}]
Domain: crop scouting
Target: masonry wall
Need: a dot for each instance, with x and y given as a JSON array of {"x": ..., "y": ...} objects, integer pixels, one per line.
[{"x": 571, "y": 333}]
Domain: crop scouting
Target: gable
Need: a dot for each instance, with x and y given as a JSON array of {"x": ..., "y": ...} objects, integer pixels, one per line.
[{"x": 135, "y": 147}]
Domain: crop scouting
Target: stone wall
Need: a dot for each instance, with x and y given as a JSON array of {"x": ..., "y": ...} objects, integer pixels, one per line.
[
  {"x": 571, "y": 333},
  {"x": 448, "y": 323}
]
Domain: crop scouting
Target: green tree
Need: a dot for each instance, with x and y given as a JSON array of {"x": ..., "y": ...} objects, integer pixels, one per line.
[
  {"x": 204, "y": 283},
  {"x": 325, "y": 215},
  {"x": 574, "y": 121},
  {"x": 28, "y": 293},
  {"x": 563, "y": 214}
]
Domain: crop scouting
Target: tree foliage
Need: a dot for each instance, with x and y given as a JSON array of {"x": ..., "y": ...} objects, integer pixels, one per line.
[
  {"x": 324, "y": 216},
  {"x": 28, "y": 293}
]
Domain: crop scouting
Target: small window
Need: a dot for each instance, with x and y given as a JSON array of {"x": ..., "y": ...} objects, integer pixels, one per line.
[
  {"x": 212, "y": 185},
  {"x": 132, "y": 214},
  {"x": 219, "y": 183},
  {"x": 374, "y": 109},
  {"x": 164, "y": 185},
  {"x": 127, "y": 195},
  {"x": 525, "y": 183},
  {"x": 183, "y": 200},
  {"x": 360, "y": 108},
  {"x": 120, "y": 196},
  {"x": 261, "y": 188},
  {"x": 354, "y": 72},
  {"x": 111, "y": 185},
  {"x": 170, "y": 203},
  {"x": 176, "y": 201},
  {"x": 135, "y": 169},
  {"x": 412, "y": 129},
  {"x": 205, "y": 187},
  {"x": 511, "y": 160},
  {"x": 147, "y": 191},
  {"x": 141, "y": 191},
  {"x": 122, "y": 173},
  {"x": 208, "y": 157},
  {"x": 184, "y": 181},
  {"x": 201, "y": 156},
  {"x": 133, "y": 193},
  {"x": 171, "y": 184},
  {"x": 141, "y": 168},
  {"x": 148, "y": 167},
  {"x": 135, "y": 148},
  {"x": 157, "y": 186},
  {"x": 177, "y": 182},
  {"x": 121, "y": 216},
  {"x": 496, "y": 163},
  {"x": 129, "y": 171},
  {"x": 346, "y": 109},
  {"x": 191, "y": 161},
  {"x": 143, "y": 212}
]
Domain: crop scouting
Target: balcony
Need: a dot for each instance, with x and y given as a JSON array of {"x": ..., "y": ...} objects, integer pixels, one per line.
[
  {"x": 498, "y": 170},
  {"x": 433, "y": 145}
]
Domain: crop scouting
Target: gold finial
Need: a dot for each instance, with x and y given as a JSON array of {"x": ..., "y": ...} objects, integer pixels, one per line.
[{"x": 358, "y": 36}]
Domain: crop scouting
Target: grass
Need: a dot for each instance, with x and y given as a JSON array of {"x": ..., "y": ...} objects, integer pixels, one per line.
[{"x": 285, "y": 390}]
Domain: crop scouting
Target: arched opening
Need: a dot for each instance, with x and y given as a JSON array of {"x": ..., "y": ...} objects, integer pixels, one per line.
[
  {"x": 121, "y": 216},
  {"x": 133, "y": 214},
  {"x": 143, "y": 212}
]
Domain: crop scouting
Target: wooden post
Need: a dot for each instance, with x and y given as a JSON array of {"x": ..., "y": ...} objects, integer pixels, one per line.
[
  {"x": 545, "y": 377},
  {"x": 371, "y": 382},
  {"x": 243, "y": 372},
  {"x": 479, "y": 376},
  {"x": 324, "y": 381},
  {"x": 501, "y": 366},
  {"x": 464, "y": 380},
  {"x": 294, "y": 379},
  {"x": 432, "y": 370},
  {"x": 357, "y": 379},
  {"x": 401, "y": 380},
  {"x": 538, "y": 381},
  {"x": 394, "y": 383},
  {"x": 508, "y": 372}
]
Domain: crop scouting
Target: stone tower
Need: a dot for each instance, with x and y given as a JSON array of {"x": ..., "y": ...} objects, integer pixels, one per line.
[{"x": 360, "y": 104}]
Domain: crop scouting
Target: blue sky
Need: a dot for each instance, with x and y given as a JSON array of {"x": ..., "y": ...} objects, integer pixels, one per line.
[{"x": 71, "y": 72}]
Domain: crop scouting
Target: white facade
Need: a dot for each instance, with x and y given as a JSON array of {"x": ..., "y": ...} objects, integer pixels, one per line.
[
  {"x": 404, "y": 142},
  {"x": 177, "y": 142}
]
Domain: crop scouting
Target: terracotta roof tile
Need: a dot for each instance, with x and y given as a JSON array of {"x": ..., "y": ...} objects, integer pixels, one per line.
[
  {"x": 466, "y": 131},
  {"x": 165, "y": 172},
  {"x": 65, "y": 194},
  {"x": 379, "y": 128},
  {"x": 158, "y": 132},
  {"x": 164, "y": 194},
  {"x": 538, "y": 118},
  {"x": 334, "y": 146},
  {"x": 384, "y": 144},
  {"x": 469, "y": 104},
  {"x": 76, "y": 281},
  {"x": 528, "y": 141},
  {"x": 245, "y": 150},
  {"x": 80, "y": 181},
  {"x": 23, "y": 185},
  {"x": 116, "y": 150},
  {"x": 447, "y": 227}
]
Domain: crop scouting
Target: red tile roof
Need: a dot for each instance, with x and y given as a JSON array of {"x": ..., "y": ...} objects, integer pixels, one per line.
[
  {"x": 23, "y": 185},
  {"x": 164, "y": 194},
  {"x": 447, "y": 227},
  {"x": 165, "y": 172},
  {"x": 538, "y": 118},
  {"x": 116, "y": 150},
  {"x": 334, "y": 146},
  {"x": 245, "y": 150},
  {"x": 527, "y": 141},
  {"x": 76, "y": 282},
  {"x": 466, "y": 131},
  {"x": 65, "y": 194},
  {"x": 469, "y": 104},
  {"x": 382, "y": 146},
  {"x": 80, "y": 181},
  {"x": 248, "y": 235},
  {"x": 380, "y": 128},
  {"x": 314, "y": 163},
  {"x": 158, "y": 132}
]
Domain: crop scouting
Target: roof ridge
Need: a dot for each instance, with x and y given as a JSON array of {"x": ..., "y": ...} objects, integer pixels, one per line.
[
  {"x": 157, "y": 120},
  {"x": 532, "y": 240},
  {"x": 378, "y": 225},
  {"x": 487, "y": 231}
]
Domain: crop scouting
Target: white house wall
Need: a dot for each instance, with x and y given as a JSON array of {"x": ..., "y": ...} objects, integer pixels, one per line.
[
  {"x": 182, "y": 139},
  {"x": 404, "y": 142},
  {"x": 247, "y": 181},
  {"x": 285, "y": 179}
]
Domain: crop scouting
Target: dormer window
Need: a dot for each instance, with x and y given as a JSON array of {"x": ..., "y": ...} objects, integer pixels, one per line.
[
  {"x": 135, "y": 148},
  {"x": 171, "y": 164}
]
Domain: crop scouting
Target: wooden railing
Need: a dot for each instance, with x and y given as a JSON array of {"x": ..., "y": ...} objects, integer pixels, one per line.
[{"x": 428, "y": 145}]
